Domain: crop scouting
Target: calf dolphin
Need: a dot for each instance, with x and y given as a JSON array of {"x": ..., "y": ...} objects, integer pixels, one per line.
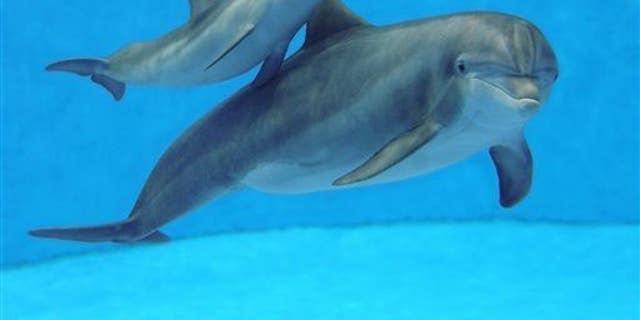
[
  {"x": 358, "y": 105},
  {"x": 222, "y": 39}
]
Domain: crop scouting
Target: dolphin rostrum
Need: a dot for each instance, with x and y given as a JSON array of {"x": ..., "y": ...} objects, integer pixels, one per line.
[
  {"x": 358, "y": 105},
  {"x": 222, "y": 39}
]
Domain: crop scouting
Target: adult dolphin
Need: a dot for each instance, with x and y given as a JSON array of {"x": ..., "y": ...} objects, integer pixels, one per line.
[
  {"x": 358, "y": 105},
  {"x": 222, "y": 39}
]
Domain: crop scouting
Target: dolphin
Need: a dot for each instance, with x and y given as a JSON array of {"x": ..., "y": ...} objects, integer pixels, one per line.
[
  {"x": 358, "y": 105},
  {"x": 221, "y": 40}
]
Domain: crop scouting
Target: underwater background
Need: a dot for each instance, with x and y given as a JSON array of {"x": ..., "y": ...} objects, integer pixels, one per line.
[{"x": 437, "y": 246}]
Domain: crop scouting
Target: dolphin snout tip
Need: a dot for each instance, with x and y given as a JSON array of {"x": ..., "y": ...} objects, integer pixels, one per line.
[
  {"x": 527, "y": 107},
  {"x": 529, "y": 104}
]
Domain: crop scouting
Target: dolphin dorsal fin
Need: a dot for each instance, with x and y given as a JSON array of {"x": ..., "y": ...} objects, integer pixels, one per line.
[
  {"x": 331, "y": 17},
  {"x": 199, "y": 6}
]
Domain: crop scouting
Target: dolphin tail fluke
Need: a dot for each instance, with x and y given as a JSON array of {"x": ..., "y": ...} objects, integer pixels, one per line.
[
  {"x": 156, "y": 237},
  {"x": 91, "y": 67},
  {"x": 115, "y": 87},
  {"x": 121, "y": 232},
  {"x": 81, "y": 67}
]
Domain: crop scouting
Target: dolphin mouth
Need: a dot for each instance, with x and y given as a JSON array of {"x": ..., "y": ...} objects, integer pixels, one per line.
[
  {"x": 529, "y": 103},
  {"x": 526, "y": 104}
]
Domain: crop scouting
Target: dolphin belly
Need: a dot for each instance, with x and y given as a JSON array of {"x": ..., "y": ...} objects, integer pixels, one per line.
[
  {"x": 185, "y": 63},
  {"x": 271, "y": 31},
  {"x": 457, "y": 143},
  {"x": 214, "y": 46},
  {"x": 189, "y": 62}
]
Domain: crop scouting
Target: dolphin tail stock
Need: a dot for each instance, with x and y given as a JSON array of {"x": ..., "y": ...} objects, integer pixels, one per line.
[
  {"x": 119, "y": 232},
  {"x": 90, "y": 67}
]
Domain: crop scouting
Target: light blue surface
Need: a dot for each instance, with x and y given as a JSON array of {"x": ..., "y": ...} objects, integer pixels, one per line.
[
  {"x": 418, "y": 271},
  {"x": 72, "y": 156}
]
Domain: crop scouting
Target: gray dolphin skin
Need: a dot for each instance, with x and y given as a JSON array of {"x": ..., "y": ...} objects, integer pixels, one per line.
[
  {"x": 221, "y": 40},
  {"x": 358, "y": 105}
]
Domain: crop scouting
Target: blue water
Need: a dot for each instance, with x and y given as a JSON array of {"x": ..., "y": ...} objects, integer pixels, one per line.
[{"x": 72, "y": 156}]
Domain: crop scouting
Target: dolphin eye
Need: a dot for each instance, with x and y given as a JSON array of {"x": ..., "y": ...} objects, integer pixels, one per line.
[{"x": 461, "y": 67}]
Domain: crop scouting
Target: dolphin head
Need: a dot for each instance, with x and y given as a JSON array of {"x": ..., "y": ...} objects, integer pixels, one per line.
[{"x": 507, "y": 69}]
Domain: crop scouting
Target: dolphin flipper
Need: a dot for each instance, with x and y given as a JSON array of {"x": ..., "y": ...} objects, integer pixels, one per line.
[
  {"x": 514, "y": 165},
  {"x": 120, "y": 232},
  {"x": 90, "y": 67},
  {"x": 240, "y": 36},
  {"x": 271, "y": 65},
  {"x": 392, "y": 153}
]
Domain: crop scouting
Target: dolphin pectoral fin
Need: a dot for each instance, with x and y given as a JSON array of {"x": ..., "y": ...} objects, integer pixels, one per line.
[
  {"x": 115, "y": 87},
  {"x": 514, "y": 165},
  {"x": 271, "y": 65},
  {"x": 392, "y": 153},
  {"x": 240, "y": 36},
  {"x": 89, "y": 67}
]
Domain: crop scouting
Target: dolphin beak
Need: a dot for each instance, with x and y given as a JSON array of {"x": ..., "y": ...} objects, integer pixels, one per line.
[
  {"x": 529, "y": 103},
  {"x": 523, "y": 90},
  {"x": 527, "y": 106}
]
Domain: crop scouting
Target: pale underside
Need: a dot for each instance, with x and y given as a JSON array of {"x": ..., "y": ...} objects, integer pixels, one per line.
[
  {"x": 455, "y": 142},
  {"x": 184, "y": 60}
]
